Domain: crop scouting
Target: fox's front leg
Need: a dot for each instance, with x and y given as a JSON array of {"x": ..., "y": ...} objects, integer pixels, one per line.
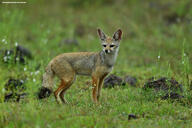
[
  {"x": 95, "y": 83},
  {"x": 100, "y": 85}
]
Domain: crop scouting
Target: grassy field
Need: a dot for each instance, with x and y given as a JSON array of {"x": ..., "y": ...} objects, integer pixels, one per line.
[{"x": 156, "y": 42}]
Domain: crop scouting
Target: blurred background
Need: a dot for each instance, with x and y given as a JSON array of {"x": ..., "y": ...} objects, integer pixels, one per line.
[{"x": 156, "y": 34}]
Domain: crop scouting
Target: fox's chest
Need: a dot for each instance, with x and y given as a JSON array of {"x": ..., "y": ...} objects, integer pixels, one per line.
[{"x": 101, "y": 70}]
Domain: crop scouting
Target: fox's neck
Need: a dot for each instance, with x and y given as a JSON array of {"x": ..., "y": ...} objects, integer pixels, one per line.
[{"x": 109, "y": 58}]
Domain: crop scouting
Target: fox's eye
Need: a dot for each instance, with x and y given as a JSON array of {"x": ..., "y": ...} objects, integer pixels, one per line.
[
  {"x": 112, "y": 45},
  {"x": 104, "y": 45}
]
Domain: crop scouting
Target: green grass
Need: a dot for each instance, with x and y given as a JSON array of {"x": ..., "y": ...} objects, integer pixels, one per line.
[{"x": 146, "y": 35}]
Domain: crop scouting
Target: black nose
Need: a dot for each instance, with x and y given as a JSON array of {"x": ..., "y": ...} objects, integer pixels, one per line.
[{"x": 106, "y": 51}]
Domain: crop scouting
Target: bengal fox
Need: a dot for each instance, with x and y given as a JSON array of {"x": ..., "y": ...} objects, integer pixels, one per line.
[{"x": 95, "y": 64}]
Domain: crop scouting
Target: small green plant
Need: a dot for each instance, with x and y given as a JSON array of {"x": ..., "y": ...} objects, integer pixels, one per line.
[{"x": 185, "y": 65}]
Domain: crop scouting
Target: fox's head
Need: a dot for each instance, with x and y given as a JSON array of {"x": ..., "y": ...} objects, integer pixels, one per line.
[{"x": 110, "y": 44}]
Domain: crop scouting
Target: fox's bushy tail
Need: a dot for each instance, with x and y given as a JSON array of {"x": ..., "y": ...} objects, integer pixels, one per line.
[{"x": 47, "y": 84}]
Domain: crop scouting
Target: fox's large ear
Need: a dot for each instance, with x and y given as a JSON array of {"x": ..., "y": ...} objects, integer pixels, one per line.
[
  {"x": 117, "y": 35},
  {"x": 101, "y": 34}
]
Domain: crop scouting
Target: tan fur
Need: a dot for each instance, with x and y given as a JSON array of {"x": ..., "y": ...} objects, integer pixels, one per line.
[{"x": 95, "y": 64}]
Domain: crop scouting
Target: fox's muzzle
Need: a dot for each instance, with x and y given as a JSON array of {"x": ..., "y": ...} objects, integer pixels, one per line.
[{"x": 107, "y": 51}]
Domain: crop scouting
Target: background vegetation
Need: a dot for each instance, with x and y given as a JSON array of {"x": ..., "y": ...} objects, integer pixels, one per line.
[{"x": 156, "y": 42}]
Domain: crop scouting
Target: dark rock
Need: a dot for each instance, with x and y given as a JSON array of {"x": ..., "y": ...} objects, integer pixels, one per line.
[
  {"x": 14, "y": 84},
  {"x": 69, "y": 42},
  {"x": 164, "y": 84},
  {"x": 169, "y": 88},
  {"x": 21, "y": 53},
  {"x": 112, "y": 81},
  {"x": 44, "y": 92},
  {"x": 14, "y": 97},
  {"x": 173, "y": 18},
  {"x": 18, "y": 55},
  {"x": 172, "y": 95},
  {"x": 130, "y": 80},
  {"x": 132, "y": 116},
  {"x": 14, "y": 90}
]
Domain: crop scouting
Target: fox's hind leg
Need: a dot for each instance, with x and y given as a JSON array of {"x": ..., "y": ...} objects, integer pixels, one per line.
[
  {"x": 66, "y": 74},
  {"x": 58, "y": 91},
  {"x": 67, "y": 86}
]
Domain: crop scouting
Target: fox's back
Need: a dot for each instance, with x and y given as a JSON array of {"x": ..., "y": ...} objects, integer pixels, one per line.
[{"x": 82, "y": 62}]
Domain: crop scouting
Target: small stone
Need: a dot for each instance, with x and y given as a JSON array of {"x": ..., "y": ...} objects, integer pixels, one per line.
[{"x": 132, "y": 116}]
